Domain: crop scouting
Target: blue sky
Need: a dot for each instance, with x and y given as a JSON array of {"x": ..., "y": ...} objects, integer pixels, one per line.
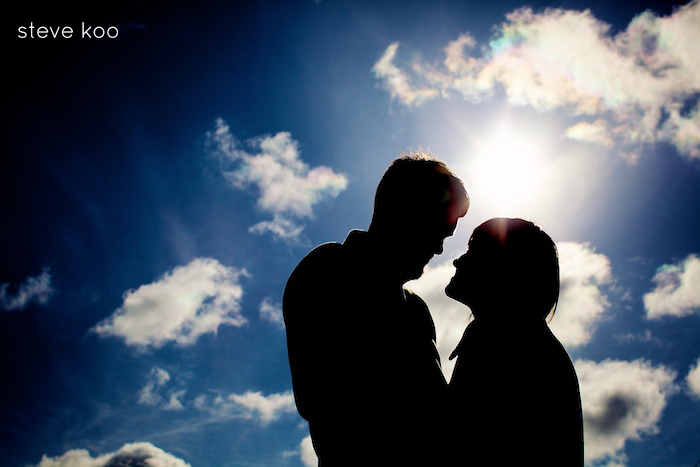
[{"x": 159, "y": 188}]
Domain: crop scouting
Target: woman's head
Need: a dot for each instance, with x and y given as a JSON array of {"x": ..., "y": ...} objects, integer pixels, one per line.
[{"x": 512, "y": 267}]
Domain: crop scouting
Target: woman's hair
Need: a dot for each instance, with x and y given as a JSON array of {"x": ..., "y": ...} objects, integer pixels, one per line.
[{"x": 524, "y": 261}]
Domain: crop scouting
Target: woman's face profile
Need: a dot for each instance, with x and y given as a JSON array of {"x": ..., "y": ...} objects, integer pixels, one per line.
[{"x": 470, "y": 283}]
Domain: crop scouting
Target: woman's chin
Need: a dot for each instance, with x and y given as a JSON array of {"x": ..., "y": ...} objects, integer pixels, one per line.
[{"x": 452, "y": 291}]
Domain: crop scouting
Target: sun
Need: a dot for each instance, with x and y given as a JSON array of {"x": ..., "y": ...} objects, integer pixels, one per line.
[{"x": 509, "y": 169}]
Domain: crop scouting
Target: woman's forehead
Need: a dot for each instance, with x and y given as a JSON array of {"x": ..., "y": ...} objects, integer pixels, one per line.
[{"x": 479, "y": 238}]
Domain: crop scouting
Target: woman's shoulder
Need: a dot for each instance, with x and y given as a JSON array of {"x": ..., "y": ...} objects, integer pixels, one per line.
[
  {"x": 558, "y": 358},
  {"x": 555, "y": 344},
  {"x": 474, "y": 337}
]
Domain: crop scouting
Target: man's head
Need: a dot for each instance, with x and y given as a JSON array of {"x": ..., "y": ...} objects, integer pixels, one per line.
[{"x": 416, "y": 206}]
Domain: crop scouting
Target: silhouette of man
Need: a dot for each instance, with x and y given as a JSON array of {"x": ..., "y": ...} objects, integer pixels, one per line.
[{"x": 365, "y": 369}]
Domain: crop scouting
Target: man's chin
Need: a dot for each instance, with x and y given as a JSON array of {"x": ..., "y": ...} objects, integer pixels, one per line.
[{"x": 414, "y": 275}]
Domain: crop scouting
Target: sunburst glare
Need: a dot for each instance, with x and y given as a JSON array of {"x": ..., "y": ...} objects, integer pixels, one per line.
[{"x": 512, "y": 168}]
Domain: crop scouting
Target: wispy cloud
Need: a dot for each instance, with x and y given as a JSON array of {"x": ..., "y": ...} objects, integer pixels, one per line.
[
  {"x": 148, "y": 395},
  {"x": 252, "y": 405},
  {"x": 646, "y": 337},
  {"x": 182, "y": 305},
  {"x": 634, "y": 87},
  {"x": 677, "y": 291},
  {"x": 35, "y": 289},
  {"x": 280, "y": 227},
  {"x": 271, "y": 311},
  {"x": 153, "y": 392},
  {"x": 583, "y": 274},
  {"x": 397, "y": 82},
  {"x": 175, "y": 400},
  {"x": 286, "y": 186},
  {"x": 622, "y": 401},
  {"x": 129, "y": 454},
  {"x": 593, "y": 132}
]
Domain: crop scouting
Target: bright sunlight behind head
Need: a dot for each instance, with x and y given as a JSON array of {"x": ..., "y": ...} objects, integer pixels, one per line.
[{"x": 510, "y": 165}]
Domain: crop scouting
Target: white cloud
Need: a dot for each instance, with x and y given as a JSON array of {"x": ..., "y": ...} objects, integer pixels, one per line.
[
  {"x": 35, "y": 289},
  {"x": 622, "y": 401},
  {"x": 592, "y": 132},
  {"x": 583, "y": 273},
  {"x": 637, "y": 83},
  {"x": 683, "y": 130},
  {"x": 179, "y": 307},
  {"x": 305, "y": 451},
  {"x": 129, "y": 454},
  {"x": 264, "y": 408},
  {"x": 677, "y": 291},
  {"x": 308, "y": 455},
  {"x": 272, "y": 312},
  {"x": 693, "y": 379},
  {"x": 251, "y": 405},
  {"x": 286, "y": 186}
]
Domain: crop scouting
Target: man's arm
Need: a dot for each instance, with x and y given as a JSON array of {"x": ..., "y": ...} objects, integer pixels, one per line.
[{"x": 308, "y": 305}]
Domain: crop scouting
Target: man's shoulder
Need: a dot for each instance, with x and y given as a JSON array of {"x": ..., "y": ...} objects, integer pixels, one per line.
[
  {"x": 328, "y": 250},
  {"x": 316, "y": 267},
  {"x": 321, "y": 256}
]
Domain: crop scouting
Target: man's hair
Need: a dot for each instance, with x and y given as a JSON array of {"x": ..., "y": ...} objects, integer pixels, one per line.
[{"x": 416, "y": 184}]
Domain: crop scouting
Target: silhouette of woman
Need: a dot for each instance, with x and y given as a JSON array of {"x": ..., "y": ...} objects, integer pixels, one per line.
[{"x": 514, "y": 389}]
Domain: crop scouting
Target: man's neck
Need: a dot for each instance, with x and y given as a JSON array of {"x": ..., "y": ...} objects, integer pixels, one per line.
[{"x": 383, "y": 257}]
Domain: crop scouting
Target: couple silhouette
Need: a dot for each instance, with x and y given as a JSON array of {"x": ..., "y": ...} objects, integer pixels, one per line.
[{"x": 362, "y": 349}]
